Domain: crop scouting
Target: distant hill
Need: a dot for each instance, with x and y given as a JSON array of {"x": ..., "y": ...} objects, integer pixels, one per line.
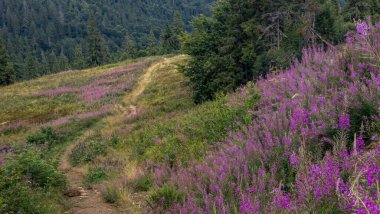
[{"x": 45, "y": 31}]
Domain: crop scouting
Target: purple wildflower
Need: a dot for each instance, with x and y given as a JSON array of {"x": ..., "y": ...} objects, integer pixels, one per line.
[
  {"x": 293, "y": 159},
  {"x": 344, "y": 121},
  {"x": 362, "y": 28}
]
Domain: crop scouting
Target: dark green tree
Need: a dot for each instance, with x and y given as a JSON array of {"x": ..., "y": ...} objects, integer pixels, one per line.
[
  {"x": 178, "y": 25},
  {"x": 360, "y": 9},
  {"x": 63, "y": 62},
  {"x": 31, "y": 67},
  {"x": 7, "y": 74},
  {"x": 44, "y": 64},
  {"x": 168, "y": 41},
  {"x": 129, "y": 46},
  {"x": 97, "y": 52},
  {"x": 224, "y": 48},
  {"x": 53, "y": 62},
  {"x": 78, "y": 58},
  {"x": 152, "y": 48}
]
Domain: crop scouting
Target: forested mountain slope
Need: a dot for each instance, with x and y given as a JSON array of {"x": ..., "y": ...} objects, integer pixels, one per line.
[{"x": 44, "y": 35}]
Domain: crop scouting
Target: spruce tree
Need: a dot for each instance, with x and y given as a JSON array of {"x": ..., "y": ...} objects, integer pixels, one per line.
[
  {"x": 168, "y": 41},
  {"x": 178, "y": 25},
  {"x": 7, "y": 74},
  {"x": 152, "y": 44},
  {"x": 54, "y": 64},
  {"x": 78, "y": 58},
  {"x": 31, "y": 67},
  {"x": 129, "y": 46},
  {"x": 44, "y": 64},
  {"x": 97, "y": 53},
  {"x": 63, "y": 62},
  {"x": 360, "y": 9}
]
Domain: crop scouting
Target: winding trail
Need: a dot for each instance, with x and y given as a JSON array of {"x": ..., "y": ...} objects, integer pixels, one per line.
[
  {"x": 145, "y": 80},
  {"x": 90, "y": 201}
]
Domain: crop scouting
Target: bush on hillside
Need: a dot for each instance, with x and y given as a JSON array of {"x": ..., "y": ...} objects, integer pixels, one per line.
[
  {"x": 96, "y": 175},
  {"x": 47, "y": 136},
  {"x": 27, "y": 184},
  {"x": 86, "y": 152}
]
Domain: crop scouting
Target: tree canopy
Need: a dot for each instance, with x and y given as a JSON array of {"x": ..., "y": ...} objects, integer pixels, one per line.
[
  {"x": 39, "y": 31},
  {"x": 243, "y": 40}
]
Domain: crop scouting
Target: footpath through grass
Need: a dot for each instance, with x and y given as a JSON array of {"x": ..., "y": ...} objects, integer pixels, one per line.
[
  {"x": 41, "y": 117},
  {"x": 167, "y": 128}
]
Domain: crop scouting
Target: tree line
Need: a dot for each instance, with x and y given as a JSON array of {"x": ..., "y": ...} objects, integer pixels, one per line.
[
  {"x": 47, "y": 36},
  {"x": 243, "y": 40}
]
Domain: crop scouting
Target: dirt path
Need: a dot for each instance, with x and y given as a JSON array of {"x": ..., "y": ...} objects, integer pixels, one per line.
[
  {"x": 84, "y": 201},
  {"x": 145, "y": 80},
  {"x": 90, "y": 201}
]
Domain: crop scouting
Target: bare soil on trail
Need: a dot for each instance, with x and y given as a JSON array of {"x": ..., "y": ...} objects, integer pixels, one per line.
[
  {"x": 141, "y": 85},
  {"x": 90, "y": 201},
  {"x": 83, "y": 200}
]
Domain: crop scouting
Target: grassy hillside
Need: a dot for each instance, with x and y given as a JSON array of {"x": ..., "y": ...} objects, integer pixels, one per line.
[
  {"x": 128, "y": 138},
  {"x": 90, "y": 116},
  {"x": 56, "y": 99},
  {"x": 41, "y": 118},
  {"x": 101, "y": 126}
]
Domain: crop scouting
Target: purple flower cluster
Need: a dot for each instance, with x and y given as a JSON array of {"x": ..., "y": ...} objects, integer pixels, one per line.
[
  {"x": 113, "y": 82},
  {"x": 362, "y": 28},
  {"x": 272, "y": 165},
  {"x": 13, "y": 125},
  {"x": 57, "y": 91},
  {"x": 344, "y": 121},
  {"x": 78, "y": 117}
]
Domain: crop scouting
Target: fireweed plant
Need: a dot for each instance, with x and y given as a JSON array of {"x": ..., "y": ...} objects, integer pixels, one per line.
[
  {"x": 311, "y": 147},
  {"x": 107, "y": 84}
]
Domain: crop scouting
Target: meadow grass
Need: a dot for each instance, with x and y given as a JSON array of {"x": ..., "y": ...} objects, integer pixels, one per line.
[
  {"x": 167, "y": 127},
  {"x": 40, "y": 118},
  {"x": 25, "y": 107}
]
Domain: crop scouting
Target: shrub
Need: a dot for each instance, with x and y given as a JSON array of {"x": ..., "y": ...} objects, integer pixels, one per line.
[
  {"x": 27, "y": 184},
  {"x": 96, "y": 175},
  {"x": 143, "y": 183},
  {"x": 85, "y": 152},
  {"x": 111, "y": 194},
  {"x": 360, "y": 116},
  {"x": 46, "y": 136},
  {"x": 166, "y": 196}
]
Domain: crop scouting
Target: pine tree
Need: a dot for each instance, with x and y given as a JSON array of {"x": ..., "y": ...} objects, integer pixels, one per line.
[
  {"x": 78, "y": 58},
  {"x": 168, "y": 41},
  {"x": 7, "y": 74},
  {"x": 63, "y": 62},
  {"x": 152, "y": 50},
  {"x": 54, "y": 64},
  {"x": 97, "y": 53},
  {"x": 44, "y": 65},
  {"x": 129, "y": 46},
  {"x": 31, "y": 67},
  {"x": 360, "y": 9},
  {"x": 178, "y": 25}
]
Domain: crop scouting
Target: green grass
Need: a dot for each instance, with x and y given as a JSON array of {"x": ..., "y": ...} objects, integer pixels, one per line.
[
  {"x": 187, "y": 135},
  {"x": 168, "y": 128},
  {"x": 31, "y": 182},
  {"x": 96, "y": 175},
  {"x": 20, "y": 104},
  {"x": 111, "y": 194}
]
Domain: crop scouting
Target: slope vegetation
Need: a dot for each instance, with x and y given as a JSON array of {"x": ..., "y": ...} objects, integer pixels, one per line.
[
  {"x": 129, "y": 138},
  {"x": 72, "y": 122}
]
